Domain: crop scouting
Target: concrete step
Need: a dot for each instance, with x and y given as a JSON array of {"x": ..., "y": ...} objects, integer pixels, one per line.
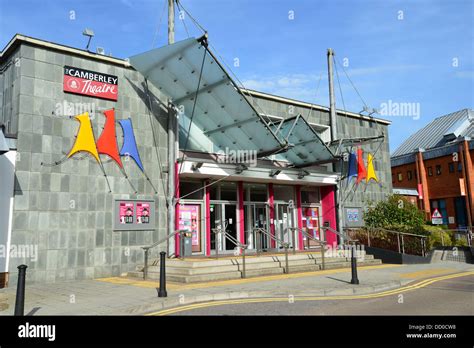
[
  {"x": 262, "y": 272},
  {"x": 206, "y": 270}
]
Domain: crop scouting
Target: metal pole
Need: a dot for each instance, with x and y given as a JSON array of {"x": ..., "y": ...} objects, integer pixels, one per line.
[
  {"x": 368, "y": 236},
  {"x": 398, "y": 240},
  {"x": 20, "y": 291},
  {"x": 403, "y": 246},
  {"x": 354, "y": 279},
  {"x": 243, "y": 261},
  {"x": 145, "y": 267},
  {"x": 162, "y": 290},
  {"x": 171, "y": 140},
  {"x": 322, "y": 254},
  {"x": 442, "y": 239},
  {"x": 286, "y": 260},
  {"x": 333, "y": 128}
]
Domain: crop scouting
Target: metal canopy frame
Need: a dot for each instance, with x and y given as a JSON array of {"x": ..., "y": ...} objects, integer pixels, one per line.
[
  {"x": 305, "y": 147},
  {"x": 222, "y": 112},
  {"x": 222, "y": 116}
]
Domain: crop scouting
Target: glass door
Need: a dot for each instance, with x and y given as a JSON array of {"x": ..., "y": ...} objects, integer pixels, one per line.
[
  {"x": 311, "y": 225},
  {"x": 223, "y": 216},
  {"x": 255, "y": 215},
  {"x": 284, "y": 220}
]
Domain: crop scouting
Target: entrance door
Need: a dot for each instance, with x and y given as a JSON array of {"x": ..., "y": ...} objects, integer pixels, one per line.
[
  {"x": 223, "y": 216},
  {"x": 284, "y": 220},
  {"x": 255, "y": 217},
  {"x": 311, "y": 225}
]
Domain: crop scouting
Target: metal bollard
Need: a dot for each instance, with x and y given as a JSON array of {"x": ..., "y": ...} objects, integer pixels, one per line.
[
  {"x": 162, "y": 290},
  {"x": 145, "y": 265},
  {"x": 354, "y": 279},
  {"x": 20, "y": 291}
]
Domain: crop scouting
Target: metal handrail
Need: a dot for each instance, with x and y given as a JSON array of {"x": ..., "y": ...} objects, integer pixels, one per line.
[
  {"x": 147, "y": 249},
  {"x": 400, "y": 238},
  {"x": 238, "y": 244},
  {"x": 340, "y": 234},
  {"x": 285, "y": 245},
  {"x": 322, "y": 243}
]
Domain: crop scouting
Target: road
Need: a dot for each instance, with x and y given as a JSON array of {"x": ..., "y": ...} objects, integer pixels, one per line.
[{"x": 446, "y": 297}]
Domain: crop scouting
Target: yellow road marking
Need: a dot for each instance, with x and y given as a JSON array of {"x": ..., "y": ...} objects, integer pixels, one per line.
[
  {"x": 428, "y": 272},
  {"x": 412, "y": 287},
  {"x": 179, "y": 286}
]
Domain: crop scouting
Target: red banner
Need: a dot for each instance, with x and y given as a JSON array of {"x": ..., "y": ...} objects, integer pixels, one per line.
[{"x": 90, "y": 83}]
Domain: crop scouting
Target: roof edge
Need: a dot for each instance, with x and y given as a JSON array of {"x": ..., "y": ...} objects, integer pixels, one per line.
[
  {"x": 314, "y": 106},
  {"x": 20, "y": 38}
]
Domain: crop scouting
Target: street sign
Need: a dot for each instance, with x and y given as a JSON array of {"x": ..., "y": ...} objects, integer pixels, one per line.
[{"x": 436, "y": 218}]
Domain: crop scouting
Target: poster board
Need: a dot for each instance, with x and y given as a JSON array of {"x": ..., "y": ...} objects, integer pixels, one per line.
[{"x": 134, "y": 214}]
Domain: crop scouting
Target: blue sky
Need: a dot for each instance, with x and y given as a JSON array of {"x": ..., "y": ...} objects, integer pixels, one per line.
[{"x": 401, "y": 51}]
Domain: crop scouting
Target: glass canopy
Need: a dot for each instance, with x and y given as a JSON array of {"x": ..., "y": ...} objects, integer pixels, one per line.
[
  {"x": 305, "y": 146},
  {"x": 219, "y": 116},
  {"x": 221, "y": 111}
]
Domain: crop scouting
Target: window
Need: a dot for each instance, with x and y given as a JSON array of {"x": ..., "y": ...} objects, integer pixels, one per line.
[
  {"x": 310, "y": 195},
  {"x": 459, "y": 167},
  {"x": 451, "y": 167},
  {"x": 409, "y": 175},
  {"x": 438, "y": 169},
  {"x": 191, "y": 190},
  {"x": 400, "y": 176},
  {"x": 430, "y": 171}
]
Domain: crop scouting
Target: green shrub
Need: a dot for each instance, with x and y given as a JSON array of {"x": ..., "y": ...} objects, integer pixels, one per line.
[
  {"x": 437, "y": 236},
  {"x": 395, "y": 211}
]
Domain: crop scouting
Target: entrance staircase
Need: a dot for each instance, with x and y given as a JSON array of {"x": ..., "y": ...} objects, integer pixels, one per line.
[{"x": 195, "y": 270}]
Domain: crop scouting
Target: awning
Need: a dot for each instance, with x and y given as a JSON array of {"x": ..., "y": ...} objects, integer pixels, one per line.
[
  {"x": 221, "y": 111},
  {"x": 222, "y": 117},
  {"x": 305, "y": 146}
]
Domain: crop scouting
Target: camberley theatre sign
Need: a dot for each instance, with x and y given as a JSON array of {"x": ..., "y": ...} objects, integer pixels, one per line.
[{"x": 90, "y": 83}]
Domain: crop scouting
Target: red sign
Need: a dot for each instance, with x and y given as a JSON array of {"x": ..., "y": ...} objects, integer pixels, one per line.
[{"x": 91, "y": 83}]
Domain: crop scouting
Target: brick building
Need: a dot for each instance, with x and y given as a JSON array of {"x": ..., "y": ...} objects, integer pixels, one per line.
[{"x": 436, "y": 164}]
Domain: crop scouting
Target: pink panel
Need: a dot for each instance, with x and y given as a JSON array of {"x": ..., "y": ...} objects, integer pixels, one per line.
[
  {"x": 240, "y": 192},
  {"x": 328, "y": 212},
  {"x": 272, "y": 212},
  {"x": 208, "y": 220},
  {"x": 300, "y": 216},
  {"x": 176, "y": 222}
]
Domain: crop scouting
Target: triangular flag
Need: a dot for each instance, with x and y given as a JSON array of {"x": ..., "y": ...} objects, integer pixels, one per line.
[
  {"x": 352, "y": 168},
  {"x": 361, "y": 171},
  {"x": 107, "y": 142},
  {"x": 129, "y": 147},
  {"x": 370, "y": 169},
  {"x": 85, "y": 137}
]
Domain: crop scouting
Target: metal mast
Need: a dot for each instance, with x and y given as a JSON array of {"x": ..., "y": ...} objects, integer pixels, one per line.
[
  {"x": 172, "y": 148},
  {"x": 333, "y": 127}
]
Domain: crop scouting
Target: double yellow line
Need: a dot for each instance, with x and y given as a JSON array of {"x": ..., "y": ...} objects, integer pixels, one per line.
[{"x": 415, "y": 286}]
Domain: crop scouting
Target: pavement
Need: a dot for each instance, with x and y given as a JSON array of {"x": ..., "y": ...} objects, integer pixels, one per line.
[{"x": 124, "y": 296}]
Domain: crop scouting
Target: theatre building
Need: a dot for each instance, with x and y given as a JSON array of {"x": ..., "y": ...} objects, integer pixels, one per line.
[{"x": 84, "y": 160}]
